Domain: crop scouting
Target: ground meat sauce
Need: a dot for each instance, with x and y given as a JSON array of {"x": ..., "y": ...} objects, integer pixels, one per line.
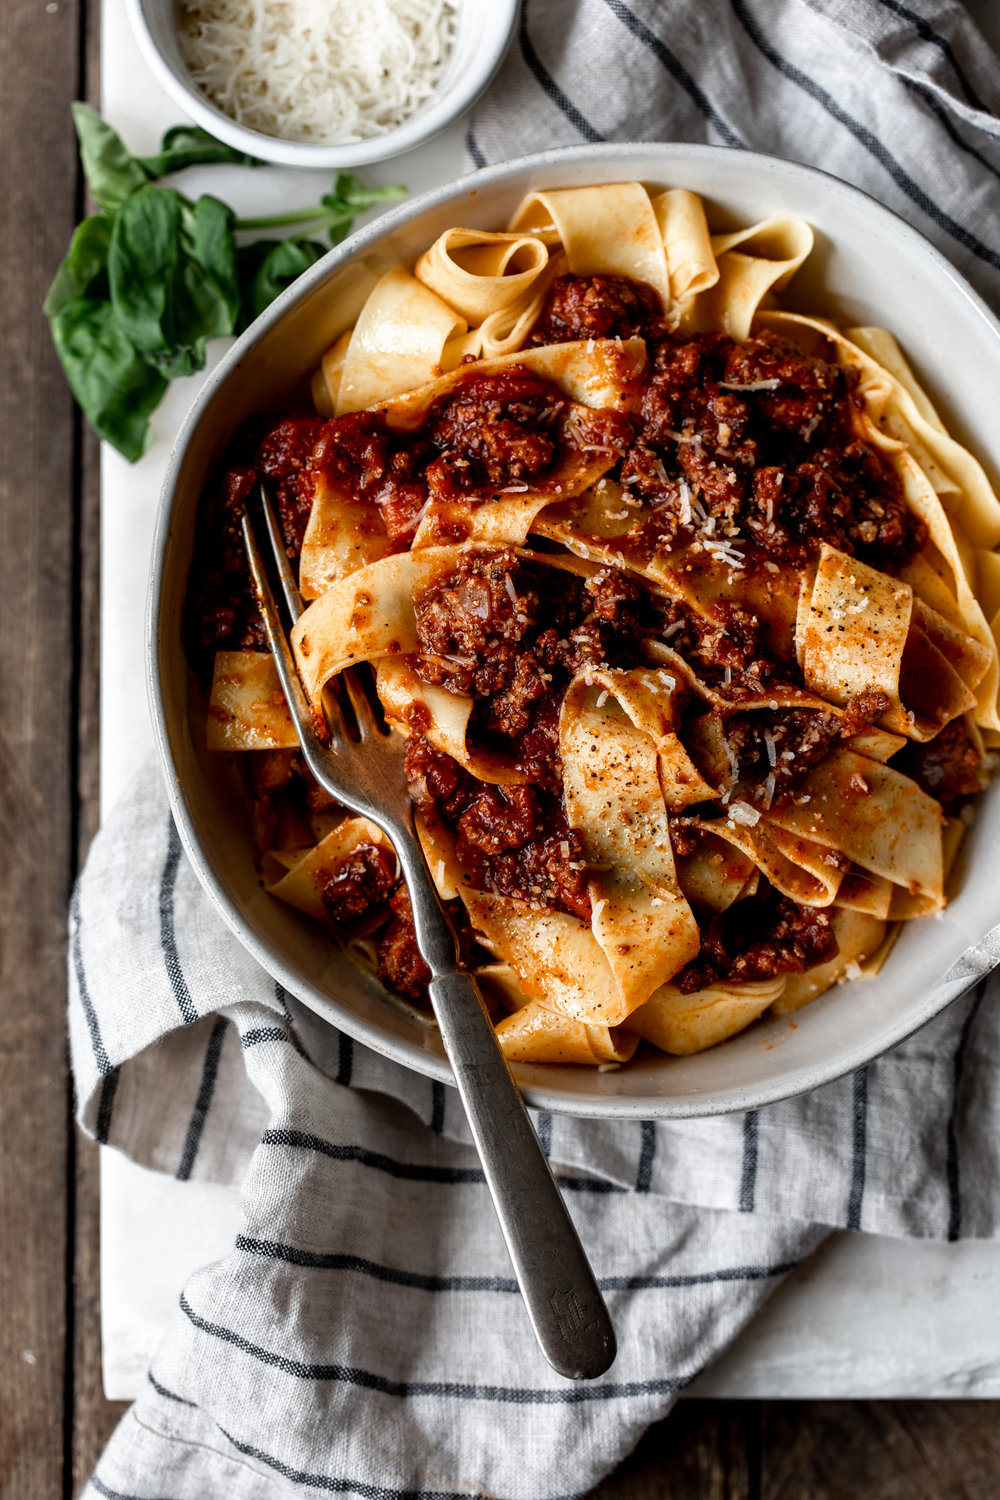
[
  {"x": 947, "y": 767},
  {"x": 511, "y": 840},
  {"x": 759, "y": 441},
  {"x": 757, "y": 938},
  {"x": 499, "y": 631},
  {"x": 776, "y": 749},
  {"x": 361, "y": 881},
  {"x": 752, "y": 446},
  {"x": 492, "y": 434},
  {"x": 598, "y": 307},
  {"x": 221, "y": 608}
]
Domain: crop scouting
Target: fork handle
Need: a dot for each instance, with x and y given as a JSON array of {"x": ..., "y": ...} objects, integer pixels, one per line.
[{"x": 564, "y": 1303}]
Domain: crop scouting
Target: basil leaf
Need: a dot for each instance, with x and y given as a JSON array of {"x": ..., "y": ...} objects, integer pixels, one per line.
[
  {"x": 113, "y": 174},
  {"x": 190, "y": 146},
  {"x": 112, "y": 383},
  {"x": 348, "y": 189},
  {"x": 213, "y": 245},
  {"x": 85, "y": 266},
  {"x": 267, "y": 267},
  {"x": 142, "y": 267},
  {"x": 349, "y": 198},
  {"x": 173, "y": 278}
]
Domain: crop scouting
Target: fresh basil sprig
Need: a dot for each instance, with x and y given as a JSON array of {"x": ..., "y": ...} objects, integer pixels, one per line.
[{"x": 149, "y": 280}]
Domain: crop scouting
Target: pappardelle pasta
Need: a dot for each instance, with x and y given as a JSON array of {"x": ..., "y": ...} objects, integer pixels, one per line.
[{"x": 685, "y": 603}]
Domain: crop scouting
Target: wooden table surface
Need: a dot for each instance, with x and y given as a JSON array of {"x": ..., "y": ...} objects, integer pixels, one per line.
[{"x": 53, "y": 1417}]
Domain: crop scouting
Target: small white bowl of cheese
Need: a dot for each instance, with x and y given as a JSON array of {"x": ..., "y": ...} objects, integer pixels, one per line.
[{"x": 324, "y": 83}]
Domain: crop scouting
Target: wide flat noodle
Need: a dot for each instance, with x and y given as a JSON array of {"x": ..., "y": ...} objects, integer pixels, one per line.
[
  {"x": 595, "y": 372},
  {"x": 299, "y": 877},
  {"x": 691, "y": 267},
  {"x": 610, "y": 230},
  {"x": 597, "y": 524},
  {"x": 853, "y": 631},
  {"x": 908, "y": 415},
  {"x": 752, "y": 263},
  {"x": 534, "y": 1034},
  {"x": 505, "y": 517},
  {"x": 415, "y": 706},
  {"x": 612, "y": 795},
  {"x": 367, "y": 615},
  {"x": 537, "y": 1035},
  {"x": 648, "y": 698},
  {"x": 685, "y": 1024},
  {"x": 859, "y": 936},
  {"x": 859, "y": 628},
  {"x": 398, "y": 341},
  {"x": 247, "y": 708},
  {"x": 807, "y": 870},
  {"x": 342, "y": 535},
  {"x": 958, "y": 535},
  {"x": 555, "y": 956},
  {"x": 717, "y": 874},
  {"x": 477, "y": 271},
  {"x": 876, "y": 817}
]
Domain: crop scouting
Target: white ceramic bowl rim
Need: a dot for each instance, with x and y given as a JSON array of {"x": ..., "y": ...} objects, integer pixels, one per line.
[
  {"x": 498, "y": 19},
  {"x": 971, "y": 966}
]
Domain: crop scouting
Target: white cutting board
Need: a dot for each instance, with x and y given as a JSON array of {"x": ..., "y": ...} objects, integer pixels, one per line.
[{"x": 865, "y": 1317}]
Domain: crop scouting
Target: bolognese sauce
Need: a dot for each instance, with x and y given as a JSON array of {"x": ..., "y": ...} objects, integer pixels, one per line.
[{"x": 751, "y": 444}]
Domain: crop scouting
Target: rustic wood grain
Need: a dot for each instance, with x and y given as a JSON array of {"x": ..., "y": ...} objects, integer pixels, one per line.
[
  {"x": 882, "y": 1450},
  {"x": 39, "y": 52},
  {"x": 705, "y": 1450}
]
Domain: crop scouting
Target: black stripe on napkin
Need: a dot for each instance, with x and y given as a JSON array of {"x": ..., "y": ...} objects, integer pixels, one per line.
[
  {"x": 930, "y": 101},
  {"x": 281, "y": 995},
  {"x": 318, "y": 1261},
  {"x": 326, "y": 1482},
  {"x": 676, "y": 69},
  {"x": 542, "y": 76},
  {"x": 168, "y": 937},
  {"x": 258, "y": 1034},
  {"x": 647, "y": 1151},
  {"x": 203, "y": 1102},
  {"x": 109, "y": 1493},
  {"x": 866, "y": 138},
  {"x": 414, "y": 1171},
  {"x": 437, "y": 1106},
  {"x": 345, "y": 1058},
  {"x": 334, "y": 1485},
  {"x": 748, "y": 1176},
  {"x": 105, "y": 1106},
  {"x": 952, "y": 1166},
  {"x": 446, "y": 1389},
  {"x": 474, "y": 149},
  {"x": 93, "y": 1025},
  {"x": 161, "y": 1390},
  {"x": 926, "y": 31},
  {"x": 859, "y": 1130}
]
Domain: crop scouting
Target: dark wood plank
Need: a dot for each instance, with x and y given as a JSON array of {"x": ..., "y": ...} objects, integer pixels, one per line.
[
  {"x": 39, "y": 54},
  {"x": 883, "y": 1450},
  {"x": 705, "y": 1450}
]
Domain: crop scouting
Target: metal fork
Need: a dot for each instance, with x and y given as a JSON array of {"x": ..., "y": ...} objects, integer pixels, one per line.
[{"x": 567, "y": 1311}]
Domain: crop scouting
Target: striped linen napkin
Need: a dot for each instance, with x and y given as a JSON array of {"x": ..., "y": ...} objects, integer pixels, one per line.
[{"x": 364, "y": 1337}]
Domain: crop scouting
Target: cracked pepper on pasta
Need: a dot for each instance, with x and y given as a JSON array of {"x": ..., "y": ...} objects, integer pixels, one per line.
[{"x": 684, "y": 603}]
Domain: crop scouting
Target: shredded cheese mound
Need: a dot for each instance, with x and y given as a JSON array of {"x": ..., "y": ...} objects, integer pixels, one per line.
[{"x": 319, "y": 72}]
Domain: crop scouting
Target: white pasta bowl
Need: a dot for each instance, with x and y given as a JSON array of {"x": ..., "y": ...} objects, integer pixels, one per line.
[
  {"x": 482, "y": 35},
  {"x": 869, "y": 267}
]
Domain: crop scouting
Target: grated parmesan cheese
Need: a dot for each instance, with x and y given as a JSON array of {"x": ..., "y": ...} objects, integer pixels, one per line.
[{"x": 320, "y": 72}]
